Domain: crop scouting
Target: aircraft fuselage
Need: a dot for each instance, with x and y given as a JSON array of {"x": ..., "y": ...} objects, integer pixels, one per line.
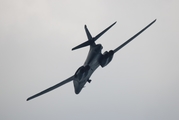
[{"x": 83, "y": 73}]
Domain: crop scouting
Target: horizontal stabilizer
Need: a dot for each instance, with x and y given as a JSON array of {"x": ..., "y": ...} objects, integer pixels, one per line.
[
  {"x": 100, "y": 34},
  {"x": 91, "y": 40}
]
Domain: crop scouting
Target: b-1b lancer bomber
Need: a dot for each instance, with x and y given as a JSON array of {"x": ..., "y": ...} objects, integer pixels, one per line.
[{"x": 94, "y": 59}]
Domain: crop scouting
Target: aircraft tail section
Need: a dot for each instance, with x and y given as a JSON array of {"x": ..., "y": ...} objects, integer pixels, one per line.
[
  {"x": 88, "y": 33},
  {"x": 91, "y": 40}
]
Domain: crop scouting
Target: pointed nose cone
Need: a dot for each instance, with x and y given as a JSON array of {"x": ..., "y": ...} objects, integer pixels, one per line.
[
  {"x": 77, "y": 91},
  {"x": 76, "y": 87}
]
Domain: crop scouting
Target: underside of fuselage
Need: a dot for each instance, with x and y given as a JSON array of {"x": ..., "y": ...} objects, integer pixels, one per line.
[
  {"x": 79, "y": 85},
  {"x": 83, "y": 74}
]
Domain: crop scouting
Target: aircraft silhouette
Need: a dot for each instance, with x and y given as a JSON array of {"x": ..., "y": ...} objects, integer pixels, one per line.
[{"x": 94, "y": 59}]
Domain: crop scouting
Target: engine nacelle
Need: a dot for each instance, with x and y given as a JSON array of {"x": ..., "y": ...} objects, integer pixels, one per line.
[
  {"x": 82, "y": 72},
  {"x": 106, "y": 58}
]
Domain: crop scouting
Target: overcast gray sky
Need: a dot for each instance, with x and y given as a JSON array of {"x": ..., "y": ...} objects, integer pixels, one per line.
[{"x": 141, "y": 83}]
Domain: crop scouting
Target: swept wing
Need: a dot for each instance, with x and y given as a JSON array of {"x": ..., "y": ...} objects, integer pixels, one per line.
[
  {"x": 129, "y": 40},
  {"x": 51, "y": 88}
]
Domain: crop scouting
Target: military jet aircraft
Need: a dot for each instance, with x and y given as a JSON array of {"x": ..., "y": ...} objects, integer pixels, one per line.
[{"x": 94, "y": 59}]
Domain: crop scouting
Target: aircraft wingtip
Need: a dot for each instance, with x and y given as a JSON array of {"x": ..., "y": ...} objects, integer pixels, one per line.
[{"x": 27, "y": 99}]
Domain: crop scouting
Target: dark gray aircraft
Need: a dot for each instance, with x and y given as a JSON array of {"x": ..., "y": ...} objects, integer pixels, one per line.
[{"x": 94, "y": 59}]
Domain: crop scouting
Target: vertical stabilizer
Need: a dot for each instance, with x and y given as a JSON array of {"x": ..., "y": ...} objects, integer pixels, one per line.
[{"x": 88, "y": 33}]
